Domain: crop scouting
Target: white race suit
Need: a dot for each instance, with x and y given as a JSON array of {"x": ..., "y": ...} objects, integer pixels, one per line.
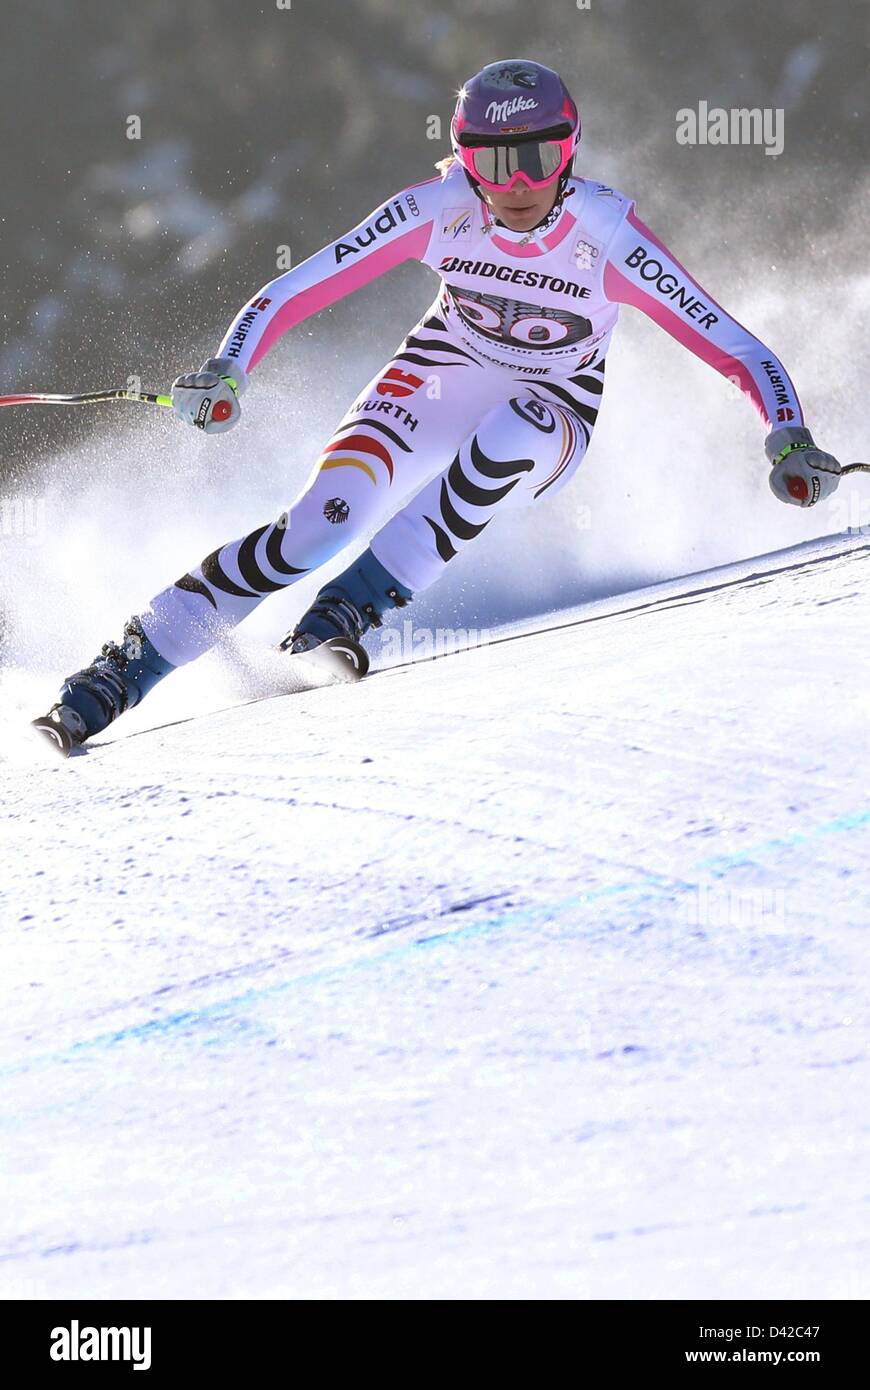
[{"x": 489, "y": 403}]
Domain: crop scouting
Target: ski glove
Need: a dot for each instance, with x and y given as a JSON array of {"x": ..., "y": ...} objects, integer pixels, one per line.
[
  {"x": 208, "y": 398},
  {"x": 801, "y": 474}
]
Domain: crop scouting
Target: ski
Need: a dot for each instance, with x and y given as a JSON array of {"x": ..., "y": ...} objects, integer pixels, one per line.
[
  {"x": 343, "y": 659},
  {"x": 54, "y": 735}
]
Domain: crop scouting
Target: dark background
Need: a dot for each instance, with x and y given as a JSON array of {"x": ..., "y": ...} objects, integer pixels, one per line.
[{"x": 264, "y": 127}]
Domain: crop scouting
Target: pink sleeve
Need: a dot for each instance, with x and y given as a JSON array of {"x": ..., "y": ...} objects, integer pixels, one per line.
[
  {"x": 399, "y": 230},
  {"x": 642, "y": 272}
]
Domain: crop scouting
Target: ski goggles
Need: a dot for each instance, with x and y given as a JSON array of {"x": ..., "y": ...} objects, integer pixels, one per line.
[{"x": 501, "y": 164}]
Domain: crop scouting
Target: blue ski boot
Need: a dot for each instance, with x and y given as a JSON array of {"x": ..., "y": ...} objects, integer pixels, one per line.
[
  {"x": 115, "y": 681},
  {"x": 345, "y": 608}
]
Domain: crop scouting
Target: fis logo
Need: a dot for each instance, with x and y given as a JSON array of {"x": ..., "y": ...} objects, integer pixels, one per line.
[
  {"x": 75, "y": 1343},
  {"x": 456, "y": 224}
]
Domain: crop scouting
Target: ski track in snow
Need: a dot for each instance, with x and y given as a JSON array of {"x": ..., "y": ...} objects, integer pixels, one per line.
[{"x": 533, "y": 971}]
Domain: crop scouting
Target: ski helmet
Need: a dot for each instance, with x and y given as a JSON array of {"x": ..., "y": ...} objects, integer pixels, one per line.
[{"x": 515, "y": 120}]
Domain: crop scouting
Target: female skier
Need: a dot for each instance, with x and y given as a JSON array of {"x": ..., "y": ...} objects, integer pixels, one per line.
[{"x": 489, "y": 403}]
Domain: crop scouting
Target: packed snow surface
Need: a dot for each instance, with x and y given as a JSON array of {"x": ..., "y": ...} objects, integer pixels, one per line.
[{"x": 534, "y": 970}]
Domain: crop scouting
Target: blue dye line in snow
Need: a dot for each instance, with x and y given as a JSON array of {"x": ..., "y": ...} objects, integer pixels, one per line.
[
  {"x": 226, "y": 1008},
  {"x": 727, "y": 861},
  {"x": 648, "y": 885}
]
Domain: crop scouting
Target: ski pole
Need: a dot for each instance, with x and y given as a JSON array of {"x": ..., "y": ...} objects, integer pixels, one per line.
[
  {"x": 86, "y": 398},
  {"x": 220, "y": 411}
]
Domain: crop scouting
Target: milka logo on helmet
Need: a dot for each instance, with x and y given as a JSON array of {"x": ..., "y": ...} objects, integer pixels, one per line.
[
  {"x": 387, "y": 219},
  {"x": 76, "y": 1343},
  {"x": 503, "y": 110},
  {"x": 668, "y": 285}
]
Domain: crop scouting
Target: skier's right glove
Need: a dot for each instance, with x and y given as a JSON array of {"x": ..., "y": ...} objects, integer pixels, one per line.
[
  {"x": 801, "y": 474},
  {"x": 208, "y": 398}
]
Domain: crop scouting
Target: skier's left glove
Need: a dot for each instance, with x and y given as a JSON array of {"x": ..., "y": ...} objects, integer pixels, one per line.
[
  {"x": 208, "y": 398},
  {"x": 801, "y": 473}
]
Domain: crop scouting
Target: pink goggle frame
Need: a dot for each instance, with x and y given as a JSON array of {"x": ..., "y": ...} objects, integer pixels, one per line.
[{"x": 501, "y": 167}]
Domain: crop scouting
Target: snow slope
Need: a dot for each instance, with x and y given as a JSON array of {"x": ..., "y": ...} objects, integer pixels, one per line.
[{"x": 530, "y": 971}]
